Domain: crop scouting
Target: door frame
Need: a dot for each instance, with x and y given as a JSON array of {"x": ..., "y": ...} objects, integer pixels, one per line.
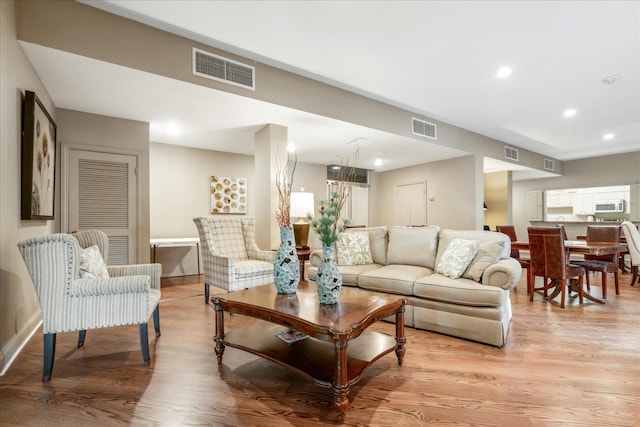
[{"x": 64, "y": 185}]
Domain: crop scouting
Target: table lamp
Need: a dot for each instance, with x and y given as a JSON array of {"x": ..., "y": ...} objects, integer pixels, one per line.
[{"x": 301, "y": 205}]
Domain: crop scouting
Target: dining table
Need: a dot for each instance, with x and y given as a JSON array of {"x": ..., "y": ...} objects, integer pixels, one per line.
[{"x": 581, "y": 247}]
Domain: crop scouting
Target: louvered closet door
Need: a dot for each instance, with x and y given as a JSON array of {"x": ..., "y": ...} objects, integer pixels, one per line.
[{"x": 102, "y": 195}]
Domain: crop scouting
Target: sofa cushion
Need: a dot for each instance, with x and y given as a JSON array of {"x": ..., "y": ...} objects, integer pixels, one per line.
[
  {"x": 353, "y": 249},
  {"x": 395, "y": 279},
  {"x": 446, "y": 236},
  {"x": 349, "y": 273},
  {"x": 462, "y": 291},
  {"x": 378, "y": 240},
  {"x": 413, "y": 246},
  {"x": 457, "y": 257},
  {"x": 488, "y": 253}
]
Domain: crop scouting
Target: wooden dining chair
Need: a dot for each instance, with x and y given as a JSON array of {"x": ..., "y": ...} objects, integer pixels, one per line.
[
  {"x": 549, "y": 260},
  {"x": 510, "y": 231},
  {"x": 604, "y": 264}
]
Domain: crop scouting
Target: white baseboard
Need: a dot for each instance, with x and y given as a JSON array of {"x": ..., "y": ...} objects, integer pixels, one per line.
[{"x": 13, "y": 348}]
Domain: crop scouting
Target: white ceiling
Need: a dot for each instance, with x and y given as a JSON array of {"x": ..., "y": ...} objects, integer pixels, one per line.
[{"x": 436, "y": 58}]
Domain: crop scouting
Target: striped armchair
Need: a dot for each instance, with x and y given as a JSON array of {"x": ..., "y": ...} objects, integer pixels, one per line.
[
  {"x": 129, "y": 296},
  {"x": 230, "y": 256}
]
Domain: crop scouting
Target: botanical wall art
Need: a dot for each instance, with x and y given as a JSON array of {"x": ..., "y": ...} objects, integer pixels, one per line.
[
  {"x": 38, "y": 160},
  {"x": 228, "y": 195}
]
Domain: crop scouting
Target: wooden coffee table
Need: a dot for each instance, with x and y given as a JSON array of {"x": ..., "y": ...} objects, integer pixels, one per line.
[{"x": 339, "y": 348}]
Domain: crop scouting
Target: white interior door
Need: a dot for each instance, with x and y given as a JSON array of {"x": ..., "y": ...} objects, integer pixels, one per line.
[
  {"x": 356, "y": 206},
  {"x": 101, "y": 194},
  {"x": 359, "y": 203},
  {"x": 411, "y": 204}
]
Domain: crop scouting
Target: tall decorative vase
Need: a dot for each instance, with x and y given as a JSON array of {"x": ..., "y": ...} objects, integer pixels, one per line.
[
  {"x": 286, "y": 267},
  {"x": 329, "y": 278}
]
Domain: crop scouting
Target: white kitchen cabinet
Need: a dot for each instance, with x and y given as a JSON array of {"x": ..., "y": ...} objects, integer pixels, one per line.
[
  {"x": 559, "y": 200},
  {"x": 583, "y": 204}
]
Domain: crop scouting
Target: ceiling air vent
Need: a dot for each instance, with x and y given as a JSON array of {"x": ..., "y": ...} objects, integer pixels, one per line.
[
  {"x": 549, "y": 165},
  {"x": 222, "y": 69},
  {"x": 422, "y": 128},
  {"x": 511, "y": 153}
]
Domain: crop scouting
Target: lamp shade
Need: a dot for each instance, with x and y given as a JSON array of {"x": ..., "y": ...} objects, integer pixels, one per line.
[{"x": 301, "y": 204}]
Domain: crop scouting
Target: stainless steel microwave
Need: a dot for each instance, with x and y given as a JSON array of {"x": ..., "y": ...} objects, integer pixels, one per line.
[{"x": 608, "y": 206}]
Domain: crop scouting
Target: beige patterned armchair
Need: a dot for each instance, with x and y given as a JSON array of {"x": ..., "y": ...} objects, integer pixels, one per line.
[
  {"x": 632, "y": 235},
  {"x": 129, "y": 296},
  {"x": 230, "y": 256}
]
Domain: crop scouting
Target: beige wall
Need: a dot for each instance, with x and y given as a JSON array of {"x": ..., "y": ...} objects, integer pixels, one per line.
[
  {"x": 451, "y": 193},
  {"x": 497, "y": 196},
  {"x": 179, "y": 192},
  {"x": 19, "y": 309},
  {"x": 617, "y": 169},
  {"x": 108, "y": 134}
]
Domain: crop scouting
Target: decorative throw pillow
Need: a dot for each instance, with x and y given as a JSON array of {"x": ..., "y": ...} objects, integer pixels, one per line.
[
  {"x": 353, "y": 248},
  {"x": 488, "y": 254},
  {"x": 92, "y": 265},
  {"x": 457, "y": 257}
]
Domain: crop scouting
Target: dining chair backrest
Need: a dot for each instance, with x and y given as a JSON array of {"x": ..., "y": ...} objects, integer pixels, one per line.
[
  {"x": 546, "y": 247},
  {"x": 510, "y": 231},
  {"x": 564, "y": 231},
  {"x": 600, "y": 233}
]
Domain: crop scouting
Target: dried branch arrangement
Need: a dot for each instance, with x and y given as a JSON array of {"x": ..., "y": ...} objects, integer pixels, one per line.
[{"x": 284, "y": 182}]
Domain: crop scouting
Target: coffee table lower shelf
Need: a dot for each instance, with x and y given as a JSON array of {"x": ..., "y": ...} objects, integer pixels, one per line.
[{"x": 310, "y": 357}]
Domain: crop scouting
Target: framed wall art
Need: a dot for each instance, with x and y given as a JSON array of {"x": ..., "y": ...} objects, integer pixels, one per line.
[
  {"x": 228, "y": 195},
  {"x": 38, "y": 160}
]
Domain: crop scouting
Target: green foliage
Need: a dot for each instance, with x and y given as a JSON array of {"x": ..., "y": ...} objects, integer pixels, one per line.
[{"x": 326, "y": 225}]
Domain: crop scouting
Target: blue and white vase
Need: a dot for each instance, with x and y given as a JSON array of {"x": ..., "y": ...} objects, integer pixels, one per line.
[
  {"x": 286, "y": 267},
  {"x": 329, "y": 279}
]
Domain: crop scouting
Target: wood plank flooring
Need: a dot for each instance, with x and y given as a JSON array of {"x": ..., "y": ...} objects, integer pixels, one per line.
[{"x": 574, "y": 367}]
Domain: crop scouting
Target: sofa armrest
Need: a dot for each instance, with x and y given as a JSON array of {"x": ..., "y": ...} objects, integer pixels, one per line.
[
  {"x": 504, "y": 274},
  {"x": 315, "y": 258}
]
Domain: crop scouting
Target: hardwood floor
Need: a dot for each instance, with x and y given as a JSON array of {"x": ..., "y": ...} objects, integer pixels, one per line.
[{"x": 575, "y": 367}]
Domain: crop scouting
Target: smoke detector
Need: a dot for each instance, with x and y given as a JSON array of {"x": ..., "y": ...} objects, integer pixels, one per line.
[{"x": 611, "y": 79}]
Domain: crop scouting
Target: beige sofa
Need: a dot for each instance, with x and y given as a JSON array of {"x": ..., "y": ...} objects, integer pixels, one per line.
[{"x": 475, "y": 306}]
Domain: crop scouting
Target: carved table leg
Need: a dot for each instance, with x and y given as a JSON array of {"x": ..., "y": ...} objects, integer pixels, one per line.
[
  {"x": 219, "y": 338},
  {"x": 400, "y": 338},
  {"x": 341, "y": 384}
]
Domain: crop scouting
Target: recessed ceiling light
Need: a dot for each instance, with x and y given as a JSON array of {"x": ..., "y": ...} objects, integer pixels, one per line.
[
  {"x": 172, "y": 128},
  {"x": 608, "y": 136},
  {"x": 504, "y": 72},
  {"x": 569, "y": 113},
  {"x": 378, "y": 162}
]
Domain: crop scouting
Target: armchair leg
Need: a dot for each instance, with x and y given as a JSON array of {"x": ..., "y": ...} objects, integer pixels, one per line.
[
  {"x": 156, "y": 320},
  {"x": 144, "y": 344},
  {"x": 81, "y": 335},
  {"x": 49, "y": 353},
  {"x": 206, "y": 293}
]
